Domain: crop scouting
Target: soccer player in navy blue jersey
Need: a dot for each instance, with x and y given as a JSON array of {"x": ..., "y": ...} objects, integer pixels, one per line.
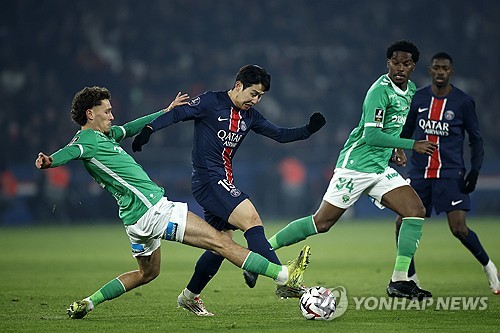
[
  {"x": 147, "y": 215},
  {"x": 222, "y": 119},
  {"x": 442, "y": 113}
]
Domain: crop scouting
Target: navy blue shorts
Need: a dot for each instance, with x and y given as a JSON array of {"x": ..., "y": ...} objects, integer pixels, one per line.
[
  {"x": 444, "y": 195},
  {"x": 219, "y": 199}
]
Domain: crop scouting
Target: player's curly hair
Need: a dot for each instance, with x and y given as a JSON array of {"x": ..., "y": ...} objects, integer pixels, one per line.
[
  {"x": 249, "y": 75},
  {"x": 86, "y": 99},
  {"x": 403, "y": 46}
]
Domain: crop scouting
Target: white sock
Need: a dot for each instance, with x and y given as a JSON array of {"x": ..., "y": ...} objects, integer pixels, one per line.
[
  {"x": 492, "y": 274},
  {"x": 282, "y": 276},
  {"x": 490, "y": 266},
  {"x": 91, "y": 304},
  {"x": 399, "y": 276},
  {"x": 189, "y": 294},
  {"x": 414, "y": 277}
]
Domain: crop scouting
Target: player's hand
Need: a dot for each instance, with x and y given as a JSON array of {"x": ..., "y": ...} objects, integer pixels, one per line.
[
  {"x": 43, "y": 161},
  {"x": 316, "y": 121},
  {"x": 470, "y": 181},
  {"x": 142, "y": 138},
  {"x": 425, "y": 147},
  {"x": 399, "y": 157},
  {"x": 180, "y": 99}
]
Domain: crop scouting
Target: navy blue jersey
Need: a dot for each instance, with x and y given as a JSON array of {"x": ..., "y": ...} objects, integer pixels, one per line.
[
  {"x": 443, "y": 120},
  {"x": 219, "y": 129}
]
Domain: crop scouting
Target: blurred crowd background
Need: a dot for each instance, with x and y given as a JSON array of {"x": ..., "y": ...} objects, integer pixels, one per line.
[{"x": 322, "y": 55}]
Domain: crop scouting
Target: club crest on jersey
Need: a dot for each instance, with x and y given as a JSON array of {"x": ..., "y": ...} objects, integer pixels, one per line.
[
  {"x": 194, "y": 101},
  {"x": 449, "y": 115},
  {"x": 379, "y": 115},
  {"x": 243, "y": 125}
]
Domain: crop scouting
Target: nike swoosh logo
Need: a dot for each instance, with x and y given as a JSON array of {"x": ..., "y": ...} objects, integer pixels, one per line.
[
  {"x": 222, "y": 119},
  {"x": 422, "y": 109},
  {"x": 454, "y": 203}
]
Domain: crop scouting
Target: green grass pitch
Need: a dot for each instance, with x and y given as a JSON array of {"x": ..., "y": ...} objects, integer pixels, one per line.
[{"x": 44, "y": 269}]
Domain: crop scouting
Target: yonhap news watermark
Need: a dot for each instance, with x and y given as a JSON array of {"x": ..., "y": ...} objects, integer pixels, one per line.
[
  {"x": 440, "y": 303},
  {"x": 385, "y": 303}
]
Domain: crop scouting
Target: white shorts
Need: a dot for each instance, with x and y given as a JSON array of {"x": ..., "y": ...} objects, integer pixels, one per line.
[
  {"x": 165, "y": 220},
  {"x": 346, "y": 186}
]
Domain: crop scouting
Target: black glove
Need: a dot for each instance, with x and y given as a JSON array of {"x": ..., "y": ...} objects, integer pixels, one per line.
[
  {"x": 316, "y": 121},
  {"x": 470, "y": 181},
  {"x": 142, "y": 138}
]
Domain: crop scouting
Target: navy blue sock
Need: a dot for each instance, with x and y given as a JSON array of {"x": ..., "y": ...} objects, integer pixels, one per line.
[
  {"x": 474, "y": 245},
  {"x": 206, "y": 267},
  {"x": 257, "y": 242}
]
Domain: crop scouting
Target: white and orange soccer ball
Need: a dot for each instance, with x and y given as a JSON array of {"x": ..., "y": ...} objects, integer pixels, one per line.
[{"x": 318, "y": 303}]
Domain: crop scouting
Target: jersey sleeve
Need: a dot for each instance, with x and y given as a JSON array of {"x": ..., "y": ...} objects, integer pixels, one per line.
[
  {"x": 374, "y": 111},
  {"x": 195, "y": 108},
  {"x": 374, "y": 107},
  {"x": 132, "y": 127},
  {"x": 375, "y": 137},
  {"x": 281, "y": 134},
  {"x": 83, "y": 146},
  {"x": 471, "y": 124}
]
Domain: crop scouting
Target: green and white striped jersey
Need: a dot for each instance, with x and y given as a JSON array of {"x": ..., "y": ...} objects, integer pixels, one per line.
[
  {"x": 113, "y": 168},
  {"x": 386, "y": 107}
]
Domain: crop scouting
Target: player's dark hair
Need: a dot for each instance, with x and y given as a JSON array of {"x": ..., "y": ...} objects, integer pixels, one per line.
[
  {"x": 442, "y": 55},
  {"x": 249, "y": 75},
  {"x": 403, "y": 46},
  {"x": 86, "y": 99}
]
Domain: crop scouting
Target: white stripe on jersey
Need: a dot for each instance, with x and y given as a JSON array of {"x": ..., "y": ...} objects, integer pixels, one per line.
[
  {"x": 119, "y": 179},
  {"x": 124, "y": 132},
  {"x": 378, "y": 125},
  {"x": 349, "y": 151},
  {"x": 81, "y": 149}
]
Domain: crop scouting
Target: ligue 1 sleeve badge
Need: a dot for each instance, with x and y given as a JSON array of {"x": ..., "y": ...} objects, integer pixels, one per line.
[{"x": 379, "y": 115}]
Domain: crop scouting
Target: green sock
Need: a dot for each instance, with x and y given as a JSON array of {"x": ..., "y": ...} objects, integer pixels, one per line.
[
  {"x": 256, "y": 263},
  {"x": 294, "y": 232},
  {"x": 409, "y": 237},
  {"x": 110, "y": 290}
]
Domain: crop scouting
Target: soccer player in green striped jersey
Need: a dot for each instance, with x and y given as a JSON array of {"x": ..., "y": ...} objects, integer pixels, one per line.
[
  {"x": 363, "y": 168},
  {"x": 148, "y": 216}
]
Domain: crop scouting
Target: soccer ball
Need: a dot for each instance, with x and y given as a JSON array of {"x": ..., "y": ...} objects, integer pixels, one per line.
[{"x": 318, "y": 303}]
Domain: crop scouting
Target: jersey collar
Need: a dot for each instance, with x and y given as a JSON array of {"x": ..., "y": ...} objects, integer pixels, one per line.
[{"x": 396, "y": 88}]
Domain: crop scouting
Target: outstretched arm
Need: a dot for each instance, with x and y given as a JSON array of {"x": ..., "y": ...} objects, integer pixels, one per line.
[
  {"x": 375, "y": 137},
  {"x": 135, "y": 126},
  {"x": 143, "y": 137},
  {"x": 43, "y": 161},
  {"x": 316, "y": 121},
  {"x": 180, "y": 99},
  {"x": 288, "y": 134},
  {"x": 425, "y": 147}
]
